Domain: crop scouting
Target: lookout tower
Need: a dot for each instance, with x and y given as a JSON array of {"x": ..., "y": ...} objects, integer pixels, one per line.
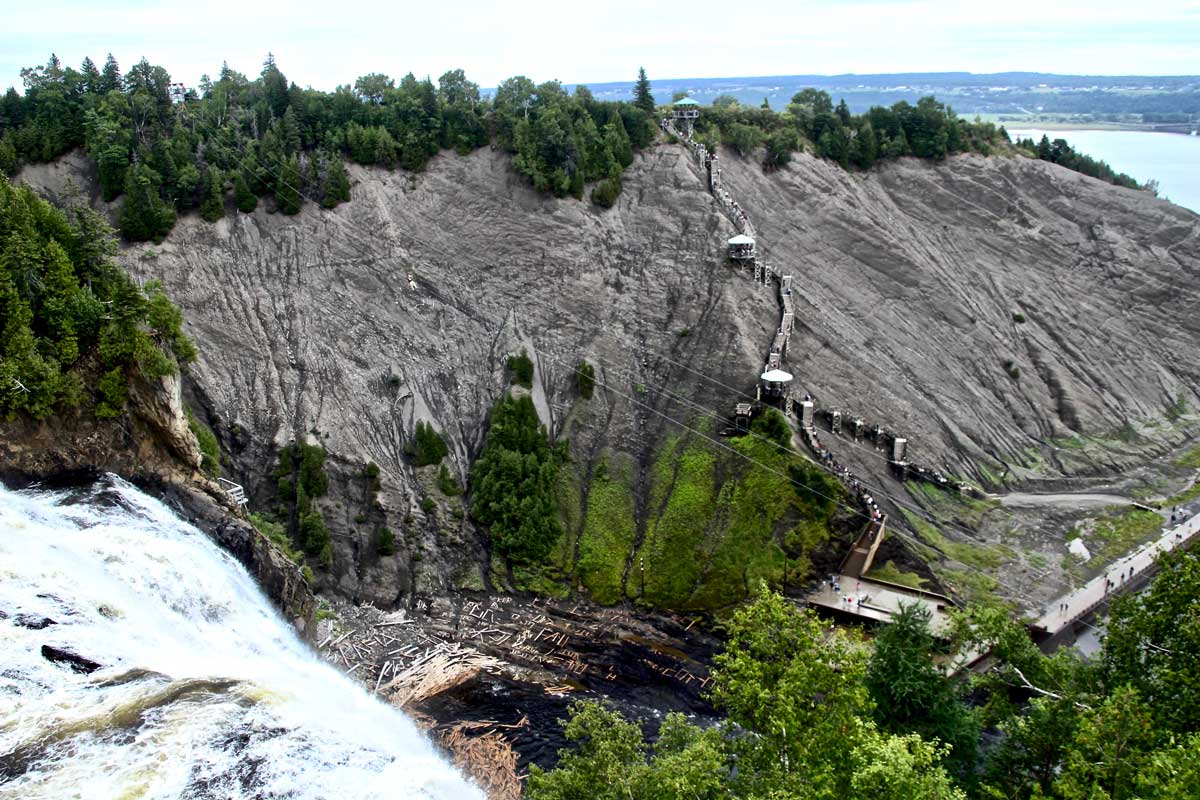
[
  {"x": 775, "y": 385},
  {"x": 687, "y": 111},
  {"x": 741, "y": 248}
]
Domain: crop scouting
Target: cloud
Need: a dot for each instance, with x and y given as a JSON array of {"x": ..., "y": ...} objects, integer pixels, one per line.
[{"x": 322, "y": 45}]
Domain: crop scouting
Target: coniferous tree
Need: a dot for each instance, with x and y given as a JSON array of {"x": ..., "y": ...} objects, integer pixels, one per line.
[
  {"x": 212, "y": 207},
  {"x": 90, "y": 76},
  {"x": 287, "y": 191},
  {"x": 337, "y": 184},
  {"x": 144, "y": 216},
  {"x": 247, "y": 201},
  {"x": 110, "y": 78},
  {"x": 643, "y": 98}
]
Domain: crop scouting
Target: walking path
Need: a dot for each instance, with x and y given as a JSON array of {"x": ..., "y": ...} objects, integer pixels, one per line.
[
  {"x": 873, "y": 600},
  {"x": 1119, "y": 577},
  {"x": 1030, "y": 500},
  {"x": 878, "y": 601}
]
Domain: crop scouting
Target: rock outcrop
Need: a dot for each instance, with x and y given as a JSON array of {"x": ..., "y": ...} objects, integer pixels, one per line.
[
  {"x": 1016, "y": 320},
  {"x": 151, "y": 445}
]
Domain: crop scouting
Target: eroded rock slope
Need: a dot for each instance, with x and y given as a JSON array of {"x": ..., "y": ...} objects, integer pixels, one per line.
[{"x": 910, "y": 281}]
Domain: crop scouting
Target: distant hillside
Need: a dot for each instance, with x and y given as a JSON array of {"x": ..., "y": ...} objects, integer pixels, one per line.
[{"x": 969, "y": 93}]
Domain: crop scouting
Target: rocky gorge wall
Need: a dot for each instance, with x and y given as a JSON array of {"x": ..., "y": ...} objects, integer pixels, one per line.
[{"x": 908, "y": 279}]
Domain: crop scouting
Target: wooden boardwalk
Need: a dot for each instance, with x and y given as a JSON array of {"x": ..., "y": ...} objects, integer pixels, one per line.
[
  {"x": 1126, "y": 573},
  {"x": 874, "y": 600},
  {"x": 869, "y": 600}
]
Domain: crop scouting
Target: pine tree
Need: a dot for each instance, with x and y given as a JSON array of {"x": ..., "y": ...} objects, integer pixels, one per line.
[
  {"x": 212, "y": 207},
  {"x": 337, "y": 184},
  {"x": 110, "y": 79},
  {"x": 144, "y": 216},
  {"x": 290, "y": 132},
  {"x": 91, "y": 75},
  {"x": 59, "y": 291},
  {"x": 287, "y": 193},
  {"x": 246, "y": 199},
  {"x": 642, "y": 97}
]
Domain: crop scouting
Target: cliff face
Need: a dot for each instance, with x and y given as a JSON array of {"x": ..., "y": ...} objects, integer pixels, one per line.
[
  {"x": 908, "y": 279},
  {"x": 1009, "y": 315},
  {"x": 151, "y": 445}
]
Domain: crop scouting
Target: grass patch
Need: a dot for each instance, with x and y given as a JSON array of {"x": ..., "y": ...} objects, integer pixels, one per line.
[
  {"x": 950, "y": 505},
  {"x": 210, "y": 451},
  {"x": 979, "y": 556},
  {"x": 609, "y": 530},
  {"x": 975, "y": 588},
  {"x": 1186, "y": 496},
  {"x": 890, "y": 573},
  {"x": 1190, "y": 459},
  {"x": 1115, "y": 534},
  {"x": 1068, "y": 442},
  {"x": 1037, "y": 560},
  {"x": 275, "y": 532},
  {"x": 541, "y": 579}
]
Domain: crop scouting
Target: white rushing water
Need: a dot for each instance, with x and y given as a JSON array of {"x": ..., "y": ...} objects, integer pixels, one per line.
[{"x": 204, "y": 690}]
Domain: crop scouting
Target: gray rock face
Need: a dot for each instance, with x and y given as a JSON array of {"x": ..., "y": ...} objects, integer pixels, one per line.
[
  {"x": 308, "y": 329},
  {"x": 908, "y": 279}
]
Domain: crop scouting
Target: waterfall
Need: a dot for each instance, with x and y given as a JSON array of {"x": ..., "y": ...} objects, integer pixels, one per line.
[{"x": 203, "y": 690}]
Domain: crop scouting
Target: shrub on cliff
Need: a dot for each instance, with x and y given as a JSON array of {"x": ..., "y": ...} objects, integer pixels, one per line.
[
  {"x": 427, "y": 446},
  {"x": 520, "y": 368}
]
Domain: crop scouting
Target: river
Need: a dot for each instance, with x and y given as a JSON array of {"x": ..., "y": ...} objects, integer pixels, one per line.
[
  {"x": 1172, "y": 159},
  {"x": 202, "y": 691}
]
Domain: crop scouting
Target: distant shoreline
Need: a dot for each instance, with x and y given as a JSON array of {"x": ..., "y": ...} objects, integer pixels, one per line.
[{"x": 1180, "y": 130}]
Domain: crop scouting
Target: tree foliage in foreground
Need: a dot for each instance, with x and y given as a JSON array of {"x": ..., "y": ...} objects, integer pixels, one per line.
[
  {"x": 72, "y": 324},
  {"x": 813, "y": 713},
  {"x": 798, "y": 727}
]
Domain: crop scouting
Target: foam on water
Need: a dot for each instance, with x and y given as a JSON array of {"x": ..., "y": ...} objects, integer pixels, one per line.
[{"x": 205, "y": 690}]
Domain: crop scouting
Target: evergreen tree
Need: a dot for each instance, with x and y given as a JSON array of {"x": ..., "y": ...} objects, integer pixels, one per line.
[
  {"x": 337, "y": 184},
  {"x": 290, "y": 132},
  {"x": 643, "y": 98},
  {"x": 246, "y": 199},
  {"x": 287, "y": 192},
  {"x": 110, "y": 78},
  {"x": 513, "y": 483},
  {"x": 144, "y": 216},
  {"x": 212, "y": 207},
  {"x": 90, "y": 75},
  {"x": 864, "y": 149}
]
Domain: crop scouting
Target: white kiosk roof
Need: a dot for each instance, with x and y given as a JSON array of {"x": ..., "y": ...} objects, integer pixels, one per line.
[
  {"x": 741, "y": 238},
  {"x": 776, "y": 376}
]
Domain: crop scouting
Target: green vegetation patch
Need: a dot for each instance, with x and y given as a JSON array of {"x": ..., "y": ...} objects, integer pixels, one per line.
[
  {"x": 276, "y": 533},
  {"x": 890, "y": 573},
  {"x": 513, "y": 483},
  {"x": 978, "y": 556},
  {"x": 427, "y": 445},
  {"x": 520, "y": 367},
  {"x": 300, "y": 477},
  {"x": 719, "y": 525},
  {"x": 73, "y": 326},
  {"x": 1118, "y": 532},
  {"x": 210, "y": 452},
  {"x": 1189, "y": 459},
  {"x": 609, "y": 531}
]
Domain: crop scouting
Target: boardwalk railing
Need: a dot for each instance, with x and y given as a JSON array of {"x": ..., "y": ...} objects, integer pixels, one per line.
[{"x": 235, "y": 491}]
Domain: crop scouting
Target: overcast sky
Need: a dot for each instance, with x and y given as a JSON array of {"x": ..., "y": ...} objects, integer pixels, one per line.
[{"x": 322, "y": 44}]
